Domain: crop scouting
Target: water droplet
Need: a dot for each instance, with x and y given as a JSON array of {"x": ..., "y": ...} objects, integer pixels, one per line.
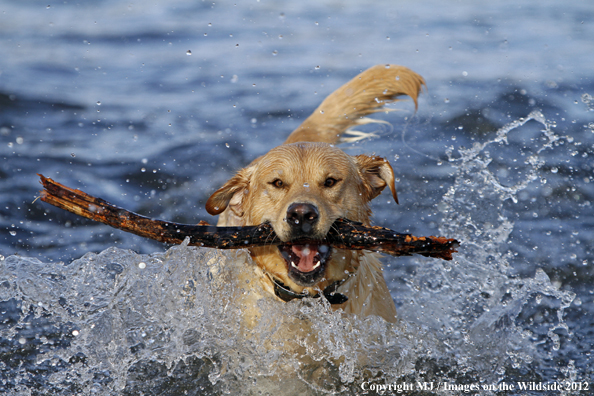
[
  {"x": 22, "y": 341},
  {"x": 142, "y": 265},
  {"x": 446, "y": 100},
  {"x": 143, "y": 170},
  {"x": 317, "y": 67},
  {"x": 274, "y": 53},
  {"x": 98, "y": 103},
  {"x": 227, "y": 145},
  {"x": 306, "y": 185},
  {"x": 20, "y": 140},
  {"x": 13, "y": 233},
  {"x": 188, "y": 52},
  {"x": 75, "y": 332}
]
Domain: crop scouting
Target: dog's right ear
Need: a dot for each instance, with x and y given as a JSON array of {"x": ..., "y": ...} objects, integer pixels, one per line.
[{"x": 232, "y": 194}]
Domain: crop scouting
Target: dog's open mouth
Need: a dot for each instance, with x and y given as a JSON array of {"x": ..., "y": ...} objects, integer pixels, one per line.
[{"x": 306, "y": 263}]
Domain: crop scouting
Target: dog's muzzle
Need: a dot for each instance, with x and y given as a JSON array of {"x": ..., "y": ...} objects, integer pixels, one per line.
[
  {"x": 306, "y": 262},
  {"x": 302, "y": 219}
]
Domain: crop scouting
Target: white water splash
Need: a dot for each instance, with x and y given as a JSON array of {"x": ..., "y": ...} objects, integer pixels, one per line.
[{"x": 481, "y": 297}]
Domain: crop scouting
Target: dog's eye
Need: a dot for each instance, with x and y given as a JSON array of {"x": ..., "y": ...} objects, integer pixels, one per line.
[
  {"x": 330, "y": 182},
  {"x": 278, "y": 183}
]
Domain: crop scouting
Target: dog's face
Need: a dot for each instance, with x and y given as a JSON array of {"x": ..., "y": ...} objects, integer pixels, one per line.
[{"x": 301, "y": 189}]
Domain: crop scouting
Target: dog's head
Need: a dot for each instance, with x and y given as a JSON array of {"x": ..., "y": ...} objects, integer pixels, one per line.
[{"x": 301, "y": 189}]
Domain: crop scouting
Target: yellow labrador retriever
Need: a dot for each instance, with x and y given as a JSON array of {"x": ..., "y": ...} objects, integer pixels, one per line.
[{"x": 303, "y": 186}]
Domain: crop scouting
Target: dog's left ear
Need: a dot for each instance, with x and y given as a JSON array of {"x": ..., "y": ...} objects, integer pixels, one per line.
[{"x": 377, "y": 173}]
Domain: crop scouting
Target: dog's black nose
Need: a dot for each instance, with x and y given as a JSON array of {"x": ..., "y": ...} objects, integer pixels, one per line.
[{"x": 302, "y": 216}]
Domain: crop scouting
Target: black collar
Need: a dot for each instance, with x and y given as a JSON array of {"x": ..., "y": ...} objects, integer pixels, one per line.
[{"x": 286, "y": 294}]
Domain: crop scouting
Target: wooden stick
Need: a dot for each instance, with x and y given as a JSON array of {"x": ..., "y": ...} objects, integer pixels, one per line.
[{"x": 344, "y": 234}]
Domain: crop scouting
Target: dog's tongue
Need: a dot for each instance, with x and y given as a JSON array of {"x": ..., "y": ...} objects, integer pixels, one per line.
[{"x": 306, "y": 254}]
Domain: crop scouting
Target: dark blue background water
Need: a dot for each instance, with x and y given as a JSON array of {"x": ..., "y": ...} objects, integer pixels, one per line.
[{"x": 153, "y": 105}]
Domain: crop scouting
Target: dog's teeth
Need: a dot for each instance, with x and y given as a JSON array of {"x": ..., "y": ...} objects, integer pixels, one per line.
[
  {"x": 316, "y": 265},
  {"x": 294, "y": 265}
]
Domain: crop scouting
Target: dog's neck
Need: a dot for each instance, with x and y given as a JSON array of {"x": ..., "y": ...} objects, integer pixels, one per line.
[{"x": 286, "y": 294}]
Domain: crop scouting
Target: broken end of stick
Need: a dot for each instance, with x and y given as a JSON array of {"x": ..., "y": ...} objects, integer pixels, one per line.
[
  {"x": 55, "y": 189},
  {"x": 42, "y": 193},
  {"x": 45, "y": 181},
  {"x": 451, "y": 244}
]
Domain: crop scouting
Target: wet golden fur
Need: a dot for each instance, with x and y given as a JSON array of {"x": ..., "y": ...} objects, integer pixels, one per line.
[{"x": 309, "y": 169}]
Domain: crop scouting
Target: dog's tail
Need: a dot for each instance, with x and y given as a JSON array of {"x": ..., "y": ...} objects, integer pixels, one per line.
[{"x": 347, "y": 107}]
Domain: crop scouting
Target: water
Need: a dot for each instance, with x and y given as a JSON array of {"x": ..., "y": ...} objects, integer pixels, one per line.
[{"x": 105, "y": 97}]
